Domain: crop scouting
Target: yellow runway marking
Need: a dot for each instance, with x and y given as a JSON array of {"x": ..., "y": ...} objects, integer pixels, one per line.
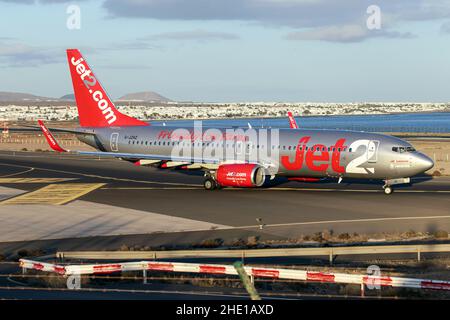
[
  {"x": 34, "y": 180},
  {"x": 54, "y": 194}
]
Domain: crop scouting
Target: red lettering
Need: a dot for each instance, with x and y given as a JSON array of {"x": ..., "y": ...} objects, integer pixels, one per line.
[
  {"x": 164, "y": 134},
  {"x": 318, "y": 153},
  {"x": 336, "y": 157},
  {"x": 299, "y": 154},
  {"x": 323, "y": 156}
]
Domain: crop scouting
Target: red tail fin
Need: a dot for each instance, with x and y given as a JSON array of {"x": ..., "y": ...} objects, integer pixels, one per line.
[{"x": 95, "y": 108}]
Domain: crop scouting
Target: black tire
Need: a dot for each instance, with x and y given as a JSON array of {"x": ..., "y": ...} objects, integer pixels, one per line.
[
  {"x": 209, "y": 184},
  {"x": 388, "y": 190}
]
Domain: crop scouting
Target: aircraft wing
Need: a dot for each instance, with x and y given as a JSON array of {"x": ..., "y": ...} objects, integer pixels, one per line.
[
  {"x": 36, "y": 128},
  {"x": 145, "y": 156},
  {"x": 137, "y": 157},
  {"x": 202, "y": 162}
]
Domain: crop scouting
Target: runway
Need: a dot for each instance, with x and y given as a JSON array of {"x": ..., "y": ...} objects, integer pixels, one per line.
[{"x": 288, "y": 210}]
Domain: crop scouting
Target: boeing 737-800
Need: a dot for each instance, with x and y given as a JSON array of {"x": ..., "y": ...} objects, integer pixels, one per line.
[{"x": 236, "y": 157}]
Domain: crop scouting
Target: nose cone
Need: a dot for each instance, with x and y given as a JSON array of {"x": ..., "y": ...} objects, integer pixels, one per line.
[{"x": 423, "y": 162}]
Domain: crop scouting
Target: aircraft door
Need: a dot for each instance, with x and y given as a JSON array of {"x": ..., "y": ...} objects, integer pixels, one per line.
[
  {"x": 372, "y": 151},
  {"x": 114, "y": 141},
  {"x": 239, "y": 148}
]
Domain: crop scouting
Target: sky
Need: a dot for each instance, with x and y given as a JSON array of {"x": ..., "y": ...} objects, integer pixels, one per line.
[{"x": 233, "y": 50}]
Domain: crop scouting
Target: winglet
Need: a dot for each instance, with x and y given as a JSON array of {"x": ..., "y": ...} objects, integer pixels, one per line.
[
  {"x": 292, "y": 122},
  {"x": 50, "y": 139}
]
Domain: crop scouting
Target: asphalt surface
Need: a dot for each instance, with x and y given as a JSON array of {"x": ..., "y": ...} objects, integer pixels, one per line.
[{"x": 287, "y": 210}]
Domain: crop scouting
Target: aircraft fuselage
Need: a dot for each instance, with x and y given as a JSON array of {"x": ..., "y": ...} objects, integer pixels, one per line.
[{"x": 293, "y": 152}]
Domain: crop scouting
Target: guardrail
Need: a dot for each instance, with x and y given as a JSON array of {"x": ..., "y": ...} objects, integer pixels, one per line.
[
  {"x": 271, "y": 273},
  {"x": 331, "y": 252}
]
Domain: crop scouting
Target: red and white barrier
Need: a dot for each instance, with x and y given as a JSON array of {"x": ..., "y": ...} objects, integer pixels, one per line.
[{"x": 288, "y": 274}]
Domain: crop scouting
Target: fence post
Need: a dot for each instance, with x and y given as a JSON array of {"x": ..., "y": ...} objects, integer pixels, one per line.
[
  {"x": 362, "y": 289},
  {"x": 331, "y": 257},
  {"x": 418, "y": 254},
  {"x": 247, "y": 281},
  {"x": 144, "y": 275}
]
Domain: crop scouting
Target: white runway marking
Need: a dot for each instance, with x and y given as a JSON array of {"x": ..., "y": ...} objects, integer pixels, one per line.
[
  {"x": 152, "y": 188},
  {"x": 350, "y": 190},
  {"x": 344, "y": 221},
  {"x": 198, "y": 187},
  {"x": 101, "y": 177},
  {"x": 17, "y": 173}
]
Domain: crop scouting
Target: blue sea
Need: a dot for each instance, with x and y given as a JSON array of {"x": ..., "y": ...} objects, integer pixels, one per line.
[{"x": 435, "y": 122}]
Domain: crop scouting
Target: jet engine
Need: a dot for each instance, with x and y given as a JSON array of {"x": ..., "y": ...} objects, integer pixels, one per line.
[{"x": 240, "y": 175}]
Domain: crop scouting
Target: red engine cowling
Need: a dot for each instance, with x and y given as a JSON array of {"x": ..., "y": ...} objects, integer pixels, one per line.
[{"x": 240, "y": 175}]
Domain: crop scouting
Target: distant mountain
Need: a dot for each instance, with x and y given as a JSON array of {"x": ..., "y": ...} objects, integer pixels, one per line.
[
  {"x": 146, "y": 96},
  {"x": 19, "y": 96},
  {"x": 68, "y": 97}
]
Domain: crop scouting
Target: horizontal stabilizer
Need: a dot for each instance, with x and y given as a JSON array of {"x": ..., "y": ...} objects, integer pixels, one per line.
[{"x": 50, "y": 139}]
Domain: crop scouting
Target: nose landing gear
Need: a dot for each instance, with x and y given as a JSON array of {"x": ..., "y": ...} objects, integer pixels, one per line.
[
  {"x": 388, "y": 183},
  {"x": 388, "y": 189}
]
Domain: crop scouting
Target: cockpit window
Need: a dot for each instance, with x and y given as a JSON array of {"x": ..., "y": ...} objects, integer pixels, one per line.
[{"x": 403, "y": 149}]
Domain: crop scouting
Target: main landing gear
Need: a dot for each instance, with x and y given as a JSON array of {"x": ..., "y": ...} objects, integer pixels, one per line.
[{"x": 210, "y": 183}]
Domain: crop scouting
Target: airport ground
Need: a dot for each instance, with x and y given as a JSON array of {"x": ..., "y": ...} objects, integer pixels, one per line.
[
  {"x": 152, "y": 207},
  {"x": 51, "y": 202}
]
